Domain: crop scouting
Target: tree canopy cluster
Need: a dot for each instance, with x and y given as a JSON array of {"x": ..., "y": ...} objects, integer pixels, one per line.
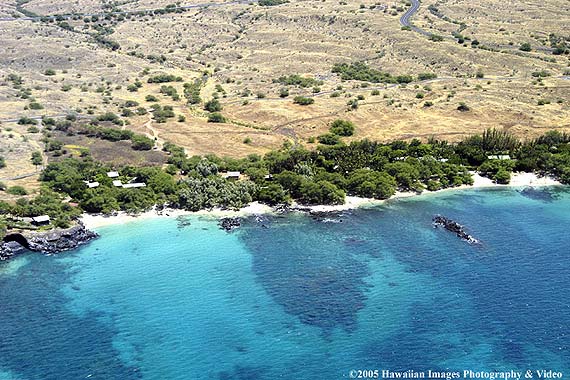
[
  {"x": 362, "y": 72},
  {"x": 321, "y": 176}
]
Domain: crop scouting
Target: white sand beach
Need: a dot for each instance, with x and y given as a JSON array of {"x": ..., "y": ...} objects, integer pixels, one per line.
[{"x": 92, "y": 221}]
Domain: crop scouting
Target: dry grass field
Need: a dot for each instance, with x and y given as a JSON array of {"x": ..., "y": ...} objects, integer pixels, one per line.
[{"x": 88, "y": 63}]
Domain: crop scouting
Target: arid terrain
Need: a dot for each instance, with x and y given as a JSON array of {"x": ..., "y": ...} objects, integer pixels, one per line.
[{"x": 507, "y": 62}]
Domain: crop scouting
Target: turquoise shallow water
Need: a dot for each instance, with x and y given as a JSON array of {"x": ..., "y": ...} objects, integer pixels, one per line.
[{"x": 297, "y": 297}]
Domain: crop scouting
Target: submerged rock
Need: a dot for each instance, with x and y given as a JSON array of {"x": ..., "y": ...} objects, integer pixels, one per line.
[
  {"x": 453, "y": 226},
  {"x": 229, "y": 224},
  {"x": 538, "y": 194}
]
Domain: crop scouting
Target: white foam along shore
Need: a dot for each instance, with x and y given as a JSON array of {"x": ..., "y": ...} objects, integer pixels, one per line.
[{"x": 92, "y": 221}]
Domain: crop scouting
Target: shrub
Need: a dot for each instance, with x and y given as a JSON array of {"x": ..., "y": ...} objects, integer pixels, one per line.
[
  {"x": 271, "y": 3},
  {"x": 216, "y": 117},
  {"x": 27, "y": 121},
  {"x": 329, "y": 139},
  {"x": 17, "y": 190},
  {"x": 342, "y": 127},
  {"x": 131, "y": 103},
  {"x": 303, "y": 101},
  {"x": 161, "y": 114},
  {"x": 140, "y": 142},
  {"x": 435, "y": 37},
  {"x": 463, "y": 107},
  {"x": 2, "y": 162},
  {"x": 35, "y": 106},
  {"x": 362, "y": 72},
  {"x": 426, "y": 76},
  {"x": 525, "y": 47},
  {"x": 49, "y": 72},
  {"x": 164, "y": 78},
  {"x": 503, "y": 176},
  {"x": 213, "y": 106},
  {"x": 297, "y": 80}
]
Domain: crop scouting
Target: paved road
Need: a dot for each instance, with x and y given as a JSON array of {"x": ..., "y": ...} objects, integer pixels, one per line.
[{"x": 405, "y": 20}]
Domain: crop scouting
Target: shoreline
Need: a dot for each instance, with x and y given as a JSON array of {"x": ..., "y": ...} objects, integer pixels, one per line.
[{"x": 94, "y": 221}]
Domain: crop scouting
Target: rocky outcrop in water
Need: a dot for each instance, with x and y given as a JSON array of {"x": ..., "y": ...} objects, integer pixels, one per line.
[
  {"x": 50, "y": 242},
  {"x": 453, "y": 226},
  {"x": 61, "y": 240},
  {"x": 229, "y": 224},
  {"x": 6, "y": 251}
]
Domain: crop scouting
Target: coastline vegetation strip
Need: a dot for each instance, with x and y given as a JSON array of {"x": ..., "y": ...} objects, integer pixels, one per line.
[{"x": 324, "y": 176}]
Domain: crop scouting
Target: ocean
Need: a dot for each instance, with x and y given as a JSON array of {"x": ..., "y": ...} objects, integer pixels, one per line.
[{"x": 301, "y": 297}]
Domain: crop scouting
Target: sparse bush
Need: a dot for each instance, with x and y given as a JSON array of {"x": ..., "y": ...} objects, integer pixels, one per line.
[
  {"x": 17, "y": 190},
  {"x": 216, "y": 117},
  {"x": 303, "y": 101},
  {"x": 27, "y": 121},
  {"x": 426, "y": 76},
  {"x": 525, "y": 47},
  {"x": 463, "y": 107},
  {"x": 435, "y": 37}
]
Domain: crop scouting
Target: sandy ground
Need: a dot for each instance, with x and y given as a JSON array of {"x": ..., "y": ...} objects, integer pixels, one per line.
[{"x": 517, "y": 180}]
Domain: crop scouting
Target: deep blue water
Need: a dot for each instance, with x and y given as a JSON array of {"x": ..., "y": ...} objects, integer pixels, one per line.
[{"x": 298, "y": 297}]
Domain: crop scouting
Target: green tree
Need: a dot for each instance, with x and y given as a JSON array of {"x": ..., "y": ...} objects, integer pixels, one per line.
[
  {"x": 140, "y": 142},
  {"x": 503, "y": 176},
  {"x": 37, "y": 159},
  {"x": 213, "y": 106},
  {"x": 342, "y": 127},
  {"x": 273, "y": 194}
]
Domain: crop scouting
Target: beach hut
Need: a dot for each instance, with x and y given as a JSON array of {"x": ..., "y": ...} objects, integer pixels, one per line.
[
  {"x": 232, "y": 175},
  {"x": 499, "y": 157},
  {"x": 92, "y": 185},
  {"x": 112, "y": 174},
  {"x": 117, "y": 183},
  {"x": 40, "y": 220},
  {"x": 133, "y": 185}
]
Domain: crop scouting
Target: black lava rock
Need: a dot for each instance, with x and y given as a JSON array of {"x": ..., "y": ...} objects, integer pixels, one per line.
[
  {"x": 453, "y": 226},
  {"x": 229, "y": 224}
]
